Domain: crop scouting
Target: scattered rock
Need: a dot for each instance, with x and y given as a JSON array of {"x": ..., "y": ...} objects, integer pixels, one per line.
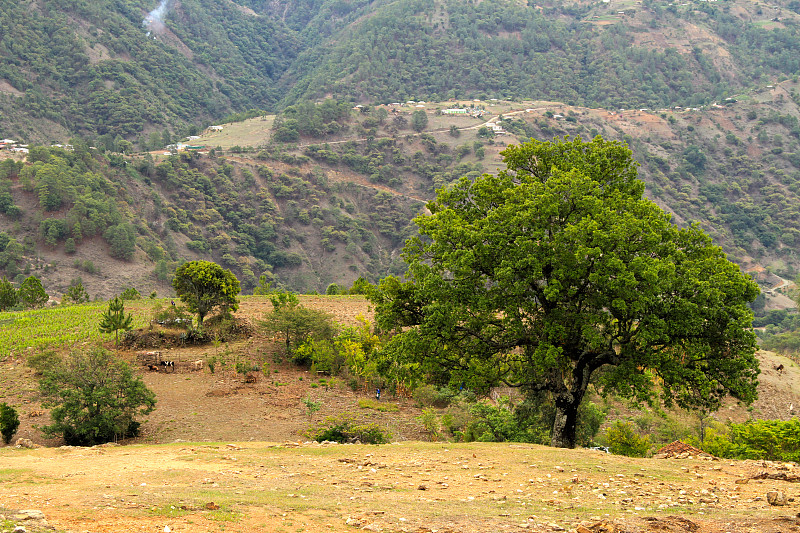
[
  {"x": 20, "y": 529},
  {"x": 26, "y": 443},
  {"x": 681, "y": 450},
  {"x": 29, "y": 514},
  {"x": 777, "y": 498},
  {"x": 353, "y": 522},
  {"x": 781, "y": 476},
  {"x": 422, "y": 487}
]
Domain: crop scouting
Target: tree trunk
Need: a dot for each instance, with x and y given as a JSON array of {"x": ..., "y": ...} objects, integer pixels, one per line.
[{"x": 566, "y": 420}]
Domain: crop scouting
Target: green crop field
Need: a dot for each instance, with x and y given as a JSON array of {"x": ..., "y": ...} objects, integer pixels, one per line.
[{"x": 60, "y": 327}]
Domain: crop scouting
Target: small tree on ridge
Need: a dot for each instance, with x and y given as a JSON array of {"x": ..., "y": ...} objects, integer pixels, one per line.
[
  {"x": 204, "y": 286},
  {"x": 114, "y": 319}
]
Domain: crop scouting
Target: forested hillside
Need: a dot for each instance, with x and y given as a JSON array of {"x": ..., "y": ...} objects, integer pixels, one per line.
[
  {"x": 704, "y": 93},
  {"x": 101, "y": 69},
  {"x": 93, "y": 69},
  {"x": 326, "y": 193}
]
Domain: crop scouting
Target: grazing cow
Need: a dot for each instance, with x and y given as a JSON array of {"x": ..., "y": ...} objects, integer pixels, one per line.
[
  {"x": 169, "y": 366},
  {"x": 196, "y": 365},
  {"x": 152, "y": 368},
  {"x": 779, "y": 368}
]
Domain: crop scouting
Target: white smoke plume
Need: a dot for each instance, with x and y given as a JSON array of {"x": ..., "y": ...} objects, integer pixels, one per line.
[{"x": 154, "y": 20}]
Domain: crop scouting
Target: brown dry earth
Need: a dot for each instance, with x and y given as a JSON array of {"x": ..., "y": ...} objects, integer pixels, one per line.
[{"x": 410, "y": 487}]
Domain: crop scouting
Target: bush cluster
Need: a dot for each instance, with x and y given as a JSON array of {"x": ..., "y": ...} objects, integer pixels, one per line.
[
  {"x": 771, "y": 440},
  {"x": 347, "y": 429},
  {"x": 9, "y": 422}
]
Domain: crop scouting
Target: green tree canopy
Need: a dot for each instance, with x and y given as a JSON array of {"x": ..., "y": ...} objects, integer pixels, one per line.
[
  {"x": 31, "y": 292},
  {"x": 76, "y": 293},
  {"x": 419, "y": 120},
  {"x": 9, "y": 422},
  {"x": 95, "y": 398},
  {"x": 204, "y": 286},
  {"x": 558, "y": 273},
  {"x": 295, "y": 322},
  {"x": 8, "y": 294}
]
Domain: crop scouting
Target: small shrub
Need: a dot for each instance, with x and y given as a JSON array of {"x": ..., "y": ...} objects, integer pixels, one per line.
[
  {"x": 9, "y": 422},
  {"x": 716, "y": 442},
  {"x": 173, "y": 316},
  {"x": 590, "y": 418},
  {"x": 345, "y": 428},
  {"x": 456, "y": 419},
  {"x": 623, "y": 440},
  {"x": 498, "y": 423},
  {"x": 194, "y": 336},
  {"x": 311, "y": 405},
  {"x": 430, "y": 421},
  {"x": 42, "y": 361},
  {"x": 131, "y": 294},
  {"x": 431, "y": 396},
  {"x": 383, "y": 407}
]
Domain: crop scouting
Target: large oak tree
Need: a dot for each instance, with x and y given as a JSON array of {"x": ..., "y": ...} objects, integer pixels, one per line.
[{"x": 558, "y": 273}]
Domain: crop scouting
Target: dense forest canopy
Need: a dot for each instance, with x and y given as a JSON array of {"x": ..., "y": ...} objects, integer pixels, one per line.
[{"x": 93, "y": 68}]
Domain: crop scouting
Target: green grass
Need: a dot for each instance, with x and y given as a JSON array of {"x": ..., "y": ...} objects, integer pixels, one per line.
[
  {"x": 58, "y": 327},
  {"x": 11, "y": 476},
  {"x": 170, "y": 511},
  {"x": 225, "y": 515},
  {"x": 383, "y": 407}
]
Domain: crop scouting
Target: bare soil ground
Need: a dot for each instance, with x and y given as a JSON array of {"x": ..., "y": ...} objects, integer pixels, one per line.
[{"x": 410, "y": 487}]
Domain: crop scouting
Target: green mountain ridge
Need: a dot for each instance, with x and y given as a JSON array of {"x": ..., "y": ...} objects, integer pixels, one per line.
[{"x": 93, "y": 69}]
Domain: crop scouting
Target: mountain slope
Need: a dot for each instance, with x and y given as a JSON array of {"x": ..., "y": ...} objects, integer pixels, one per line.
[
  {"x": 95, "y": 69},
  {"x": 620, "y": 54},
  {"x": 79, "y": 68},
  {"x": 337, "y": 201}
]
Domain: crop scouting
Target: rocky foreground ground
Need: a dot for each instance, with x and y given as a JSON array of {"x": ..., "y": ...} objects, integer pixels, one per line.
[{"x": 408, "y": 487}]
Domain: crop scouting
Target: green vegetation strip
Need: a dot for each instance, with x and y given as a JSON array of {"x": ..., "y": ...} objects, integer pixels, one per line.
[{"x": 57, "y": 327}]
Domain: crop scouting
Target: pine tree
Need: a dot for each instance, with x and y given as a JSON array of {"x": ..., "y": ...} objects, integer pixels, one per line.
[
  {"x": 114, "y": 319},
  {"x": 8, "y": 294}
]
